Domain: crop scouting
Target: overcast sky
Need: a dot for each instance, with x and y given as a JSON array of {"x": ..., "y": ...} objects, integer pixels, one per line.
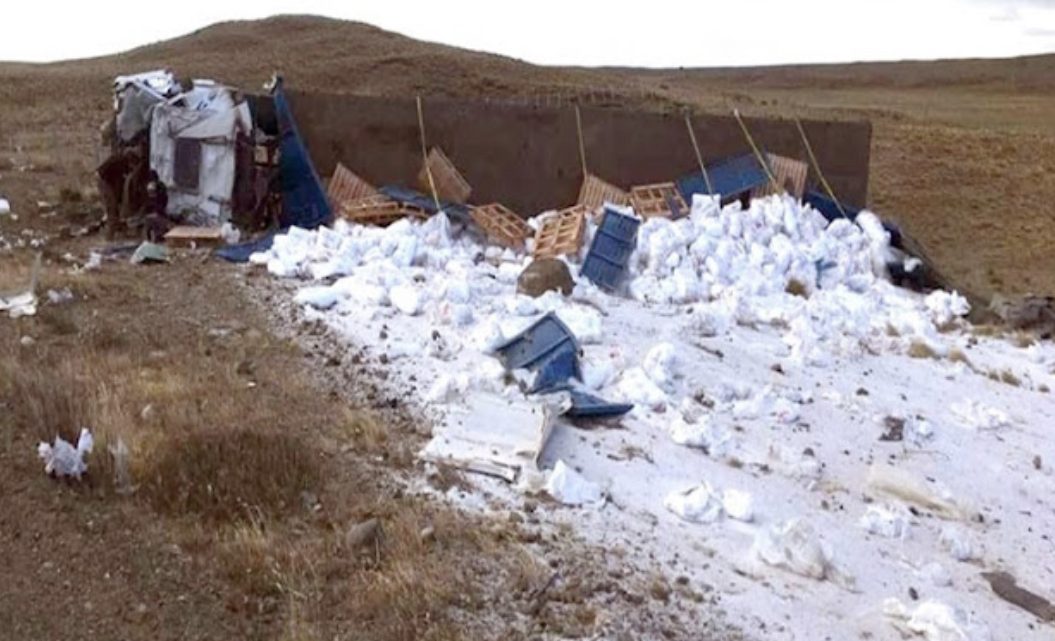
[{"x": 658, "y": 33}]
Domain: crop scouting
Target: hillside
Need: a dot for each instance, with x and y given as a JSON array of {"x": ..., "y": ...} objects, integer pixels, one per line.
[{"x": 970, "y": 141}]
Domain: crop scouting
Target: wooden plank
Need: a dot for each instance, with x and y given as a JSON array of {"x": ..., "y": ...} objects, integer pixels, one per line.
[
  {"x": 651, "y": 201},
  {"x": 502, "y": 225},
  {"x": 188, "y": 235},
  {"x": 561, "y": 233},
  {"x": 450, "y": 185},
  {"x": 346, "y": 186},
  {"x": 789, "y": 173},
  {"x": 595, "y": 192}
]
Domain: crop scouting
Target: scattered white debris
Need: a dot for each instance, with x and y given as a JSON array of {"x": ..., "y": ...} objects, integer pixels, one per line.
[
  {"x": 59, "y": 296},
  {"x": 936, "y": 621},
  {"x": 956, "y": 542},
  {"x": 18, "y": 305},
  {"x": 5, "y": 207},
  {"x": 976, "y": 416},
  {"x": 795, "y": 546},
  {"x": 698, "y": 504},
  {"x": 722, "y": 362},
  {"x": 570, "y": 488},
  {"x": 63, "y": 459},
  {"x": 886, "y": 521}
]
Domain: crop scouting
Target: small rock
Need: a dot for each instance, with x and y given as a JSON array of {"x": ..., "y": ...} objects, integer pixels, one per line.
[
  {"x": 543, "y": 275},
  {"x": 1038, "y": 463},
  {"x": 363, "y": 534}
]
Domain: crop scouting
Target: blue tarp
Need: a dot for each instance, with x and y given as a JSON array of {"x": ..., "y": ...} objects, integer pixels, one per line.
[
  {"x": 729, "y": 178},
  {"x": 304, "y": 202},
  {"x": 241, "y": 252},
  {"x": 454, "y": 211},
  {"x": 830, "y": 210}
]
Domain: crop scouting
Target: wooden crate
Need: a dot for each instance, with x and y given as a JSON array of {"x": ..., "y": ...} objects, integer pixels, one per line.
[
  {"x": 789, "y": 173},
  {"x": 345, "y": 187},
  {"x": 561, "y": 233},
  {"x": 191, "y": 236},
  {"x": 650, "y": 201},
  {"x": 379, "y": 210},
  {"x": 450, "y": 185},
  {"x": 595, "y": 192},
  {"x": 502, "y": 225}
]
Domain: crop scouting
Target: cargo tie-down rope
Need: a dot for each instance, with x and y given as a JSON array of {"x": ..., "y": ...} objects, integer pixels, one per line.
[
  {"x": 582, "y": 144},
  {"x": 425, "y": 155},
  {"x": 757, "y": 152},
  {"x": 699, "y": 156},
  {"x": 817, "y": 168}
]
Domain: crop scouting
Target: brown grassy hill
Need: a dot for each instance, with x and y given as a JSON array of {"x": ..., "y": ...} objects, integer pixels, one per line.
[{"x": 963, "y": 154}]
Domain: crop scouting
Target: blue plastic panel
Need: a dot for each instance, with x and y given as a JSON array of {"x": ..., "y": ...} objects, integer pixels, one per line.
[
  {"x": 729, "y": 178},
  {"x": 610, "y": 251},
  {"x": 556, "y": 370},
  {"x": 531, "y": 347},
  {"x": 585, "y": 405}
]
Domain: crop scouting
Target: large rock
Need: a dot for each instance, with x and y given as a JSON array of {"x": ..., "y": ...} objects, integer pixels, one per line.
[{"x": 544, "y": 275}]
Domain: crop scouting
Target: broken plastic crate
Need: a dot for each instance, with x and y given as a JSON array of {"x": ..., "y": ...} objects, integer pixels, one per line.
[
  {"x": 609, "y": 254},
  {"x": 584, "y": 405},
  {"x": 531, "y": 348},
  {"x": 729, "y": 178}
]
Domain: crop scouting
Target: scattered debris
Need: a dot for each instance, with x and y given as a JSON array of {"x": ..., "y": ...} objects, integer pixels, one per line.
[
  {"x": 886, "y": 521},
  {"x": 5, "y": 207},
  {"x": 704, "y": 504},
  {"x": 149, "y": 252},
  {"x": 570, "y": 488},
  {"x": 895, "y": 429},
  {"x": 935, "y": 621},
  {"x": 903, "y": 485},
  {"x": 468, "y": 439},
  {"x": 795, "y": 546},
  {"x": 59, "y": 296},
  {"x": 1005, "y": 587},
  {"x": 23, "y": 302},
  {"x": 63, "y": 460}
]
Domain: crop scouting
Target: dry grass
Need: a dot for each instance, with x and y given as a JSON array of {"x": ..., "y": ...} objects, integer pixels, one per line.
[
  {"x": 919, "y": 349},
  {"x": 957, "y": 355},
  {"x": 796, "y": 287},
  {"x": 230, "y": 468}
]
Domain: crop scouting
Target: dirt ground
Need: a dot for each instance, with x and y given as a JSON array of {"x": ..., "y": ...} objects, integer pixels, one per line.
[{"x": 255, "y": 452}]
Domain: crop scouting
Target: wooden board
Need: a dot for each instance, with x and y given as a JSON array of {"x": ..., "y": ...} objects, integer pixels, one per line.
[
  {"x": 379, "y": 210},
  {"x": 502, "y": 225},
  {"x": 345, "y": 187},
  {"x": 651, "y": 201},
  {"x": 450, "y": 185},
  {"x": 789, "y": 173},
  {"x": 188, "y": 235},
  {"x": 561, "y": 233},
  {"x": 595, "y": 192}
]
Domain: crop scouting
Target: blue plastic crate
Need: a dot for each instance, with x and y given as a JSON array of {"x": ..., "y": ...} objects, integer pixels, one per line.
[
  {"x": 554, "y": 372},
  {"x": 610, "y": 251},
  {"x": 729, "y": 178},
  {"x": 531, "y": 347}
]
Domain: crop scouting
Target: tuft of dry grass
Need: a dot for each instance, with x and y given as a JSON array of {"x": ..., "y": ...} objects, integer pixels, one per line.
[
  {"x": 919, "y": 349},
  {"x": 228, "y": 474},
  {"x": 957, "y": 355},
  {"x": 1008, "y": 377}
]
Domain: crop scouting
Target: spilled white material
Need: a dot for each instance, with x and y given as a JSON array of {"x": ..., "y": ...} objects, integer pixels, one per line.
[
  {"x": 570, "y": 488},
  {"x": 63, "y": 459}
]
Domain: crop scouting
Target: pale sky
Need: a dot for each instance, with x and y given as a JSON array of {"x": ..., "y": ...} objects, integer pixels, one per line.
[{"x": 649, "y": 33}]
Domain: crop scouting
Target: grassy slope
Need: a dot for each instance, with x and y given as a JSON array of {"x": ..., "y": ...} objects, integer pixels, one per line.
[{"x": 963, "y": 155}]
